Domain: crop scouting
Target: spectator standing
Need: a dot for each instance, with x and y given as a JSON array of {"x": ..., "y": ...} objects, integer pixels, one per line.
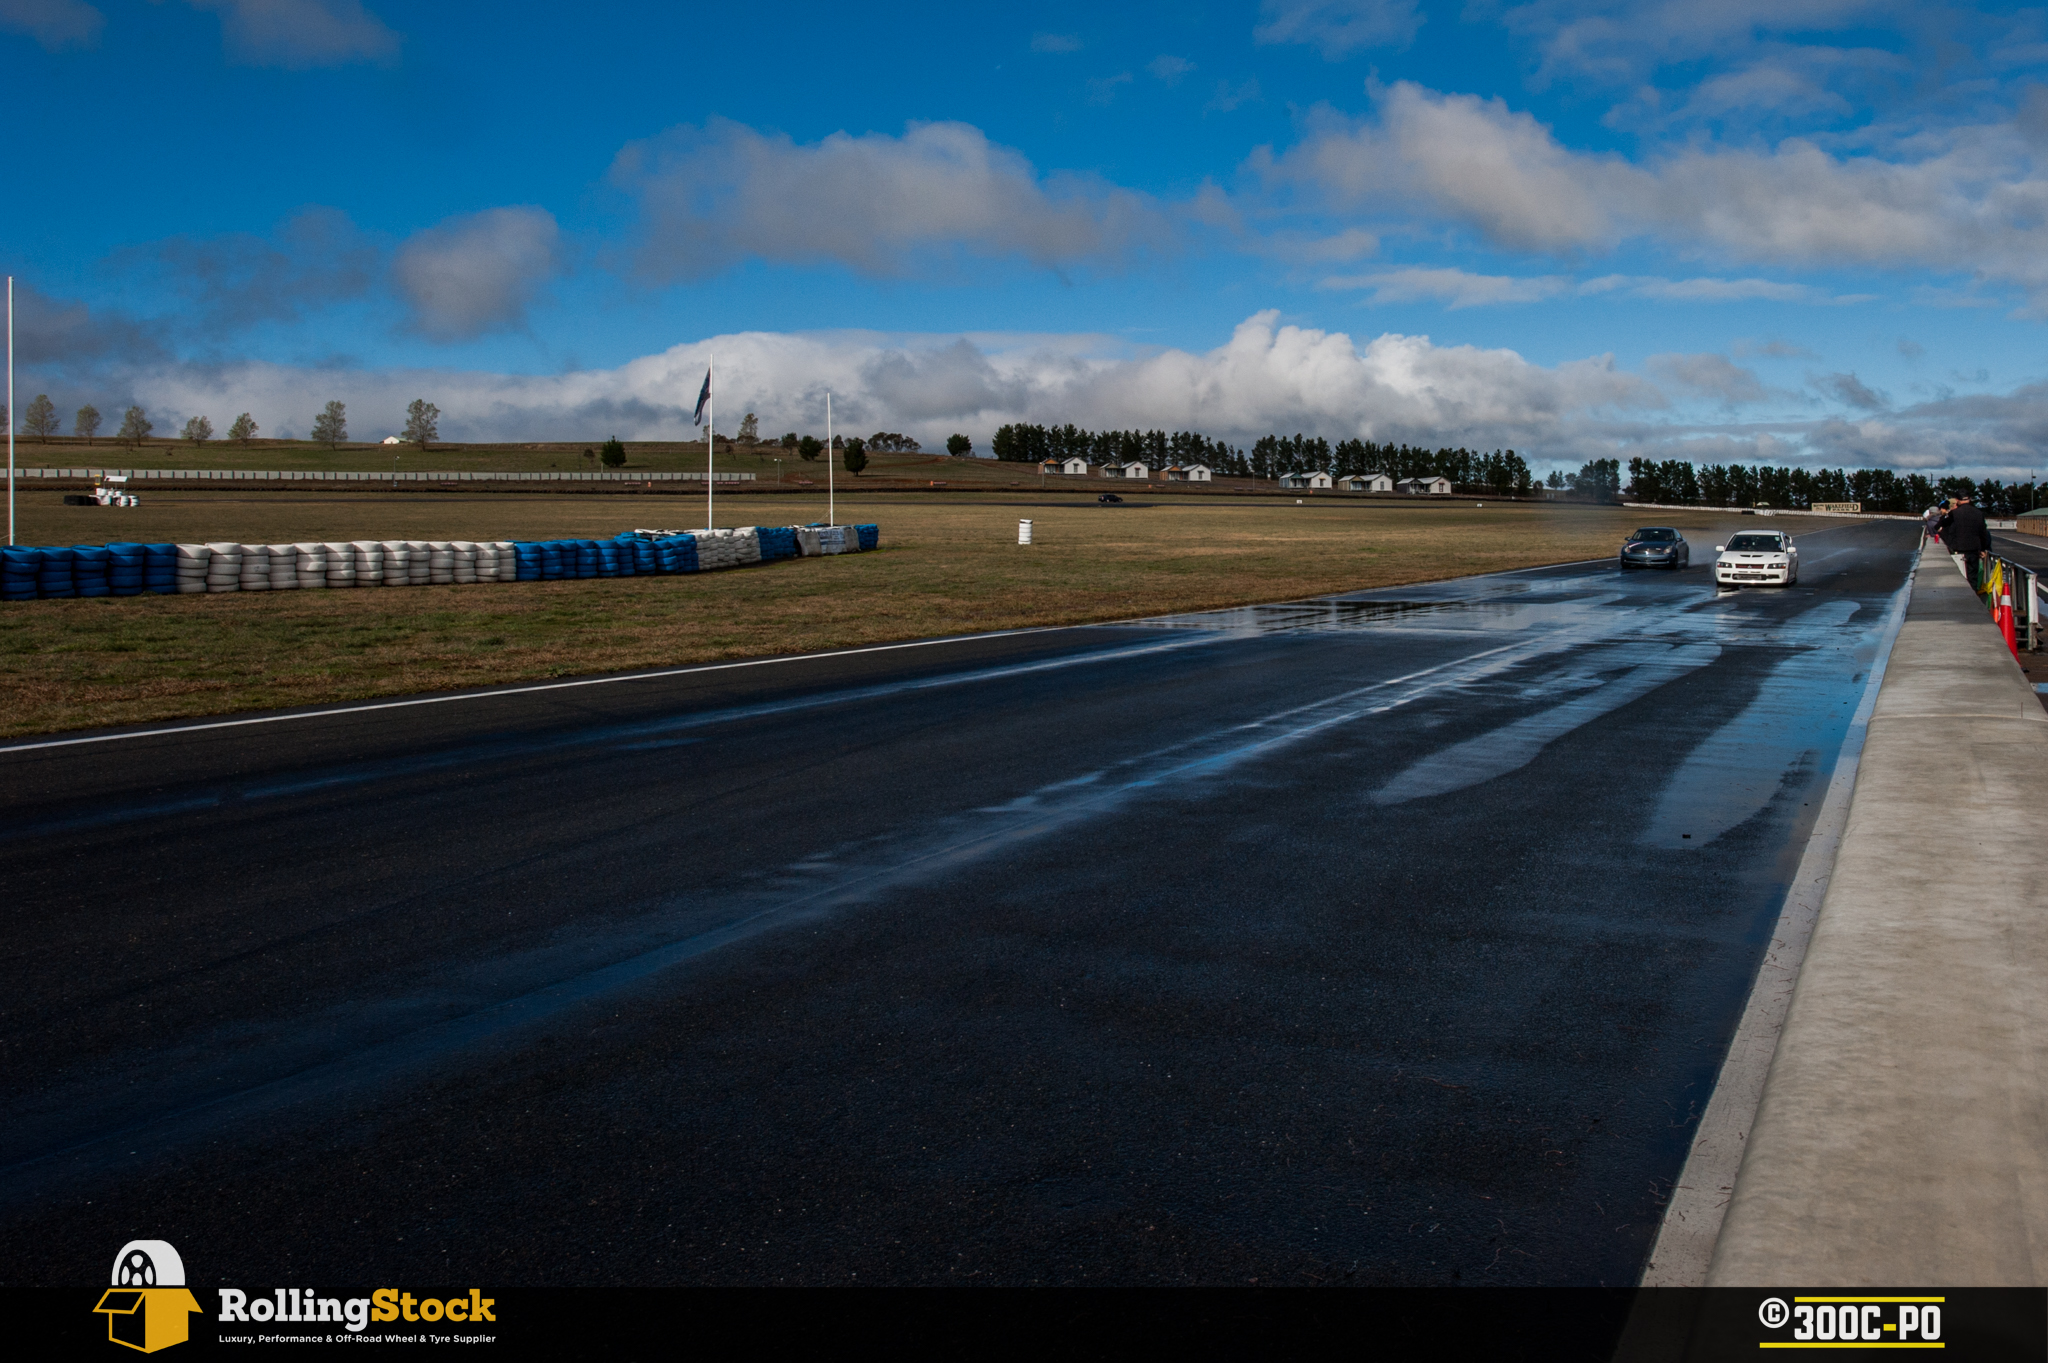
[{"x": 1966, "y": 536}]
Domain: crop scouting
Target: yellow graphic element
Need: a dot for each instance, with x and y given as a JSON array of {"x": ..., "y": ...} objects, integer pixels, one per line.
[{"x": 148, "y": 1307}]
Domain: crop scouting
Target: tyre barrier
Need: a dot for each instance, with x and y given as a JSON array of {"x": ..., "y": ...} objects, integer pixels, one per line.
[{"x": 130, "y": 569}]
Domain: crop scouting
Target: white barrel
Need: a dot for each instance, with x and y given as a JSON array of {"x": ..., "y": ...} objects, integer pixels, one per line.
[{"x": 1023, "y": 532}]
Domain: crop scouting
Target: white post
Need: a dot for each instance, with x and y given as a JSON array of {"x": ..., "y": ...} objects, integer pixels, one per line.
[
  {"x": 831, "y": 493},
  {"x": 10, "y": 409},
  {"x": 710, "y": 440}
]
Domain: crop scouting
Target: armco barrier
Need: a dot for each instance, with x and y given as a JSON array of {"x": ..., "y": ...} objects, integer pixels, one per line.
[
  {"x": 130, "y": 569},
  {"x": 356, "y": 476},
  {"x": 1902, "y": 1137}
]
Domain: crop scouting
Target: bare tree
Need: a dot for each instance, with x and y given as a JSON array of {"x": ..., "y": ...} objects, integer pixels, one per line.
[
  {"x": 422, "y": 422},
  {"x": 198, "y": 430},
  {"x": 243, "y": 430},
  {"x": 330, "y": 428},
  {"x": 135, "y": 426},
  {"x": 87, "y": 422},
  {"x": 41, "y": 417}
]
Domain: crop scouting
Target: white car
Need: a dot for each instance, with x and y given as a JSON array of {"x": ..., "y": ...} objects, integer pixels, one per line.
[{"x": 1761, "y": 557}]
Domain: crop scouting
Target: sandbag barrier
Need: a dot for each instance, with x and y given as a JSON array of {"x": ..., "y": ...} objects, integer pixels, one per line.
[{"x": 124, "y": 569}]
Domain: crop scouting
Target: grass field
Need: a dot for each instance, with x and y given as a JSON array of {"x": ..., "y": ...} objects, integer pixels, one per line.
[{"x": 947, "y": 565}]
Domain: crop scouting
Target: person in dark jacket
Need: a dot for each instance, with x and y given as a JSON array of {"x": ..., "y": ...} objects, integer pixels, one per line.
[{"x": 1964, "y": 532}]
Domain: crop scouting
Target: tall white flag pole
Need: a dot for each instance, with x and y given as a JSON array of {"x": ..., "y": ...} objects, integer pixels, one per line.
[
  {"x": 10, "y": 409},
  {"x": 710, "y": 440},
  {"x": 831, "y": 496}
]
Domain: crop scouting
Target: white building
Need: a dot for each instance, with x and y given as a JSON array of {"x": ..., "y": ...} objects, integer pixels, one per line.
[
  {"x": 391, "y": 440},
  {"x": 1366, "y": 482},
  {"x": 1075, "y": 466},
  {"x": 1185, "y": 473},
  {"x": 1310, "y": 481},
  {"x": 1424, "y": 487},
  {"x": 1135, "y": 469}
]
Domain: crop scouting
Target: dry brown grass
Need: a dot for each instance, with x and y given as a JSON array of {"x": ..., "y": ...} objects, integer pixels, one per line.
[{"x": 946, "y": 567}]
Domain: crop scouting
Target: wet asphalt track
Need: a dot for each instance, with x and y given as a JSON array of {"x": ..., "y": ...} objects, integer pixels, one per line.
[{"x": 1387, "y": 939}]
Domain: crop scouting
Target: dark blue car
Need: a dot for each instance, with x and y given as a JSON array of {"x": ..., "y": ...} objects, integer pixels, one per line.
[{"x": 1656, "y": 546}]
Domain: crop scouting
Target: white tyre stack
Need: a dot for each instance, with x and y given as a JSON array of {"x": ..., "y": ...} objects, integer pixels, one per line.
[
  {"x": 192, "y": 559},
  {"x": 255, "y": 568},
  {"x": 419, "y": 563},
  {"x": 369, "y": 562},
  {"x": 508, "y": 561},
  {"x": 284, "y": 567},
  {"x": 464, "y": 561},
  {"x": 397, "y": 563},
  {"x": 440, "y": 562},
  {"x": 852, "y": 538},
  {"x": 309, "y": 564},
  {"x": 485, "y": 561},
  {"x": 747, "y": 544},
  {"x": 806, "y": 542},
  {"x": 224, "y": 567},
  {"x": 341, "y": 564}
]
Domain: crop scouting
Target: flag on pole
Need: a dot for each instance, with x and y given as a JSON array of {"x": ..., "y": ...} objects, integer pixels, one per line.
[{"x": 703, "y": 400}]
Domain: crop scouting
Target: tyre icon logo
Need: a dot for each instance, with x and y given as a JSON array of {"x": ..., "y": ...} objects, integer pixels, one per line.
[{"x": 1773, "y": 1313}]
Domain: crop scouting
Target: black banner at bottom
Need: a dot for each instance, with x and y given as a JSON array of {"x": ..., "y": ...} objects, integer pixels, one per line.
[{"x": 617, "y": 1325}]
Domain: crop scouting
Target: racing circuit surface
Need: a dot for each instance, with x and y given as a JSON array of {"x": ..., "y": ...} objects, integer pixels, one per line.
[{"x": 1391, "y": 938}]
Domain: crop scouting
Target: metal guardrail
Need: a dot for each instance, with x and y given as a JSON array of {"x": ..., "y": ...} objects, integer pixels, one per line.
[{"x": 387, "y": 477}]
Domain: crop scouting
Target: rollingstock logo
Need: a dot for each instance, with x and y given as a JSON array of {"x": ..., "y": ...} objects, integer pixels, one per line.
[
  {"x": 301, "y": 1306},
  {"x": 1852, "y": 1322}
]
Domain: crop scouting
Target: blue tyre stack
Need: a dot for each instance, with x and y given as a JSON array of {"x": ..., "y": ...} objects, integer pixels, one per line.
[
  {"x": 584, "y": 554},
  {"x": 645, "y": 558},
  {"x": 777, "y": 542},
  {"x": 526, "y": 561},
  {"x": 89, "y": 566},
  {"x": 607, "y": 557},
  {"x": 18, "y": 571},
  {"x": 870, "y": 535},
  {"x": 160, "y": 568},
  {"x": 552, "y": 568},
  {"x": 126, "y": 564},
  {"x": 53, "y": 578}
]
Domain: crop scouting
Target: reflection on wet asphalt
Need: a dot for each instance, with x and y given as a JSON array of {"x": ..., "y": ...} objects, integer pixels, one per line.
[{"x": 1393, "y": 937}]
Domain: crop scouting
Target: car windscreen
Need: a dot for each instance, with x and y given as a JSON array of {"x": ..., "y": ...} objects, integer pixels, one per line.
[
  {"x": 1754, "y": 544},
  {"x": 1655, "y": 535}
]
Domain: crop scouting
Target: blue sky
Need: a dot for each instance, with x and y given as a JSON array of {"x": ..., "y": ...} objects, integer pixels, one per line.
[{"x": 1806, "y": 231}]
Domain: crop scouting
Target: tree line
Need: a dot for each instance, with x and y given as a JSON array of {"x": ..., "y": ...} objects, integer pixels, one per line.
[
  {"x": 1676, "y": 482},
  {"x": 1270, "y": 456},
  {"x": 41, "y": 419}
]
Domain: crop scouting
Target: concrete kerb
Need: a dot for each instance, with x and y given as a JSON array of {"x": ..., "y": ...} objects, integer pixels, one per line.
[{"x": 1902, "y": 1135}]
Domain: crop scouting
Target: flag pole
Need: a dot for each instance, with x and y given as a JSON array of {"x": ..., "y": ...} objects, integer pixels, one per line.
[
  {"x": 10, "y": 409},
  {"x": 831, "y": 497},
  {"x": 710, "y": 443}
]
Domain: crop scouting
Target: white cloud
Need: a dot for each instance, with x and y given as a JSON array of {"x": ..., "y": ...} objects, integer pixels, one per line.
[
  {"x": 1850, "y": 391},
  {"x": 478, "y": 273},
  {"x": 1623, "y": 41},
  {"x": 875, "y": 203},
  {"x": 297, "y": 34},
  {"x": 56, "y": 24},
  {"x": 1102, "y": 90},
  {"x": 1454, "y": 288},
  {"x": 1229, "y": 97},
  {"x": 1969, "y": 201},
  {"x": 1337, "y": 28},
  {"x": 1168, "y": 68}
]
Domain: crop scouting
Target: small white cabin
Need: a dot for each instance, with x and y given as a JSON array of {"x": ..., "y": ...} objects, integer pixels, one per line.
[
  {"x": 1137, "y": 468},
  {"x": 1075, "y": 467},
  {"x": 1424, "y": 487},
  {"x": 1185, "y": 473},
  {"x": 1366, "y": 482},
  {"x": 391, "y": 440},
  {"x": 1305, "y": 481}
]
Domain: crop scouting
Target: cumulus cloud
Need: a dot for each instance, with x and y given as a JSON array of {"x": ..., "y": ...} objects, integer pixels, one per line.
[
  {"x": 1337, "y": 28},
  {"x": 1968, "y": 200},
  {"x": 315, "y": 258},
  {"x": 1169, "y": 68},
  {"x": 56, "y": 24},
  {"x": 1623, "y": 41},
  {"x": 714, "y": 195},
  {"x": 297, "y": 34},
  {"x": 65, "y": 336},
  {"x": 1709, "y": 375},
  {"x": 1851, "y": 391},
  {"x": 478, "y": 273}
]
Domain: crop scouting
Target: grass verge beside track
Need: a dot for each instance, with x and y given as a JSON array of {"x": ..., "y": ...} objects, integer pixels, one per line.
[{"x": 945, "y": 567}]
